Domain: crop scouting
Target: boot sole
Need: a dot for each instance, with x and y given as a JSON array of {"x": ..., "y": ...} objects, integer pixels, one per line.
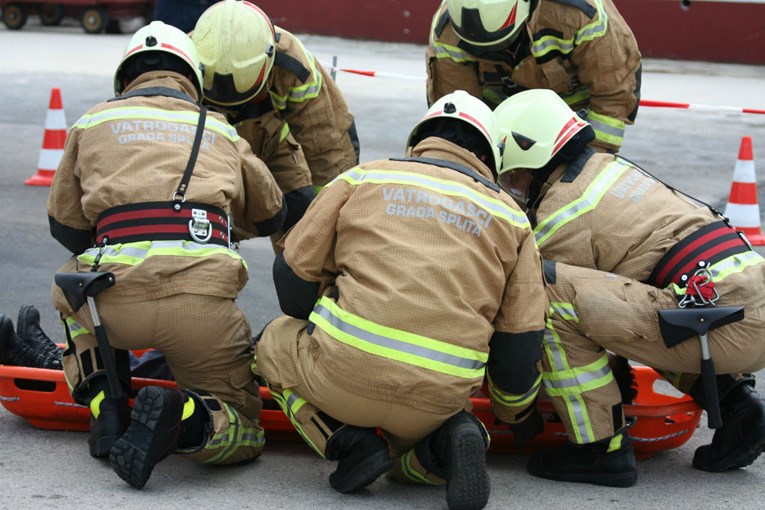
[
  {"x": 134, "y": 455},
  {"x": 365, "y": 473},
  {"x": 469, "y": 484},
  {"x": 604, "y": 479}
]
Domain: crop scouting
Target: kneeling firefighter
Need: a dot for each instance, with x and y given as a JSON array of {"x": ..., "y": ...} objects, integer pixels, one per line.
[
  {"x": 405, "y": 283},
  {"x": 620, "y": 246},
  {"x": 148, "y": 188}
]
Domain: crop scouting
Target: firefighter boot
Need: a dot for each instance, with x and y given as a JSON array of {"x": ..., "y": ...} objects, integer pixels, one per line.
[
  {"x": 18, "y": 351},
  {"x": 609, "y": 462},
  {"x": 29, "y": 330},
  {"x": 362, "y": 456},
  {"x": 458, "y": 448},
  {"x": 153, "y": 434},
  {"x": 741, "y": 439},
  {"x": 109, "y": 419}
]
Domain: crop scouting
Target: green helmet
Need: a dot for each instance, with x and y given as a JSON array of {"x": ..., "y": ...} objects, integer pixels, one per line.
[
  {"x": 467, "y": 109},
  {"x": 534, "y": 125},
  {"x": 488, "y": 24},
  {"x": 163, "y": 40}
]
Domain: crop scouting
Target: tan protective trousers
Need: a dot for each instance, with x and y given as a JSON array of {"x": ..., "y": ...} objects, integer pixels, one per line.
[
  {"x": 594, "y": 311},
  {"x": 208, "y": 346},
  {"x": 303, "y": 391}
]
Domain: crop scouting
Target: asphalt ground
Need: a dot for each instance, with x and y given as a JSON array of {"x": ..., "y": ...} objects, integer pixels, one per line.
[{"x": 694, "y": 150}]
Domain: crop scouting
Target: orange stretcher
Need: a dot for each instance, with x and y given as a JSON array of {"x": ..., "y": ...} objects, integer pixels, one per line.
[{"x": 658, "y": 421}]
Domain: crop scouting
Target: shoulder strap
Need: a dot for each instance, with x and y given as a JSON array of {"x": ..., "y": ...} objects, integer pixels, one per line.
[
  {"x": 155, "y": 91},
  {"x": 180, "y": 194},
  {"x": 575, "y": 167},
  {"x": 292, "y": 65},
  {"x": 453, "y": 166},
  {"x": 582, "y": 5}
]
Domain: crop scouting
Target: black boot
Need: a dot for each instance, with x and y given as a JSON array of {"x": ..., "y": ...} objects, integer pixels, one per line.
[
  {"x": 742, "y": 437},
  {"x": 459, "y": 449},
  {"x": 153, "y": 434},
  {"x": 18, "y": 351},
  {"x": 362, "y": 456},
  {"x": 28, "y": 329},
  {"x": 112, "y": 421},
  {"x": 588, "y": 463}
]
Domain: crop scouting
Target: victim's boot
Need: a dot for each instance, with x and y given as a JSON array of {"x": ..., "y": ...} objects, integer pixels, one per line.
[
  {"x": 18, "y": 351},
  {"x": 29, "y": 330},
  {"x": 609, "y": 462},
  {"x": 153, "y": 434},
  {"x": 109, "y": 419},
  {"x": 741, "y": 439},
  {"x": 362, "y": 457}
]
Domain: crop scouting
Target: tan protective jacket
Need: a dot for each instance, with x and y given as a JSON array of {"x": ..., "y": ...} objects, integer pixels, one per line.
[
  {"x": 615, "y": 218},
  {"x": 305, "y": 107},
  {"x": 581, "y": 49},
  {"x": 136, "y": 150},
  {"x": 420, "y": 265}
]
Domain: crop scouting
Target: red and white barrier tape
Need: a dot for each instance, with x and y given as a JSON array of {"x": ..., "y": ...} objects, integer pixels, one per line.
[{"x": 643, "y": 102}]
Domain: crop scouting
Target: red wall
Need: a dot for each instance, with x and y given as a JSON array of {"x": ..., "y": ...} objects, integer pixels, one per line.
[
  {"x": 380, "y": 20},
  {"x": 713, "y": 32},
  {"x": 708, "y": 30}
]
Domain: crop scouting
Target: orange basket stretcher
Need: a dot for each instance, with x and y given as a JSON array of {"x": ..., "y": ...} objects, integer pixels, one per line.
[{"x": 658, "y": 421}]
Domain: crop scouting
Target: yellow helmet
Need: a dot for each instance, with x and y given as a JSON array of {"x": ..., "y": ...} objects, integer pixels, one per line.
[
  {"x": 467, "y": 109},
  {"x": 535, "y": 125},
  {"x": 237, "y": 45},
  {"x": 155, "y": 43},
  {"x": 488, "y": 24}
]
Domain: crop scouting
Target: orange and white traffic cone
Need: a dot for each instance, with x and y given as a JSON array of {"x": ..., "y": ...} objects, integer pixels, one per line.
[
  {"x": 53, "y": 142},
  {"x": 743, "y": 210}
]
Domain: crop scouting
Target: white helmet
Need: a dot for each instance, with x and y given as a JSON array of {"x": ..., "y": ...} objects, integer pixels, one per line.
[
  {"x": 535, "y": 125},
  {"x": 461, "y": 106},
  {"x": 237, "y": 46},
  {"x": 163, "y": 40},
  {"x": 489, "y": 24}
]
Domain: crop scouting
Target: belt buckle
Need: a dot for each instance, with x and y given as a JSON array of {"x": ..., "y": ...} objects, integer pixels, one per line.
[{"x": 200, "y": 227}]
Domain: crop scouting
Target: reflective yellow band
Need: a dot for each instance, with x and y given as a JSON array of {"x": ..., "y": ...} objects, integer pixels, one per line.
[
  {"x": 95, "y": 404},
  {"x": 134, "y": 119},
  {"x": 132, "y": 254},
  {"x": 188, "y": 408},
  {"x": 477, "y": 205},
  {"x": 285, "y": 132},
  {"x": 397, "y": 345},
  {"x": 514, "y": 401},
  {"x": 587, "y": 202}
]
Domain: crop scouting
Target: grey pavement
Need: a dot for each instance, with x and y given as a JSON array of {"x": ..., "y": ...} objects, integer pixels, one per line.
[{"x": 693, "y": 150}]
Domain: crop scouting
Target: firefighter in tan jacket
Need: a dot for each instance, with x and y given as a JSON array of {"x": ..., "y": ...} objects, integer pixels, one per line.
[
  {"x": 405, "y": 283},
  {"x": 581, "y": 49},
  {"x": 145, "y": 189},
  {"x": 279, "y": 98},
  {"x": 619, "y": 246}
]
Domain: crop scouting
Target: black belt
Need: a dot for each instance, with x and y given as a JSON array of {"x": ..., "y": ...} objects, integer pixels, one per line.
[
  {"x": 710, "y": 244},
  {"x": 158, "y": 221}
]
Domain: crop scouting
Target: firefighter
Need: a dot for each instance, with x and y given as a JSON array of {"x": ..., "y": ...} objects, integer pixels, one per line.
[
  {"x": 619, "y": 246},
  {"x": 134, "y": 168},
  {"x": 279, "y": 98},
  {"x": 405, "y": 283},
  {"x": 581, "y": 49}
]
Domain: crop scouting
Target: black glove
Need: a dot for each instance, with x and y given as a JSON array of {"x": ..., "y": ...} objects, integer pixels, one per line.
[{"x": 528, "y": 429}]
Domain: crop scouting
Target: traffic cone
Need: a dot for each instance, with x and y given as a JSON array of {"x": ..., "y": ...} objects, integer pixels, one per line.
[
  {"x": 53, "y": 142},
  {"x": 742, "y": 209}
]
